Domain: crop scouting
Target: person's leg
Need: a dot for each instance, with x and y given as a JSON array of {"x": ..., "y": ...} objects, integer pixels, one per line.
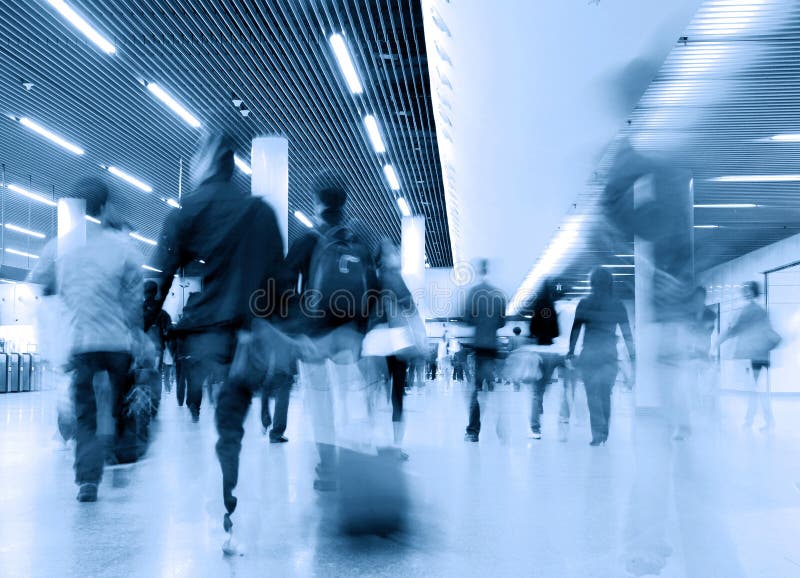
[
  {"x": 118, "y": 366},
  {"x": 607, "y": 388},
  {"x": 752, "y": 401},
  {"x": 88, "y": 450},
  {"x": 231, "y": 411},
  {"x": 397, "y": 372},
  {"x": 547, "y": 366},
  {"x": 593, "y": 399},
  {"x": 266, "y": 418},
  {"x": 282, "y": 390},
  {"x": 319, "y": 401},
  {"x": 181, "y": 380},
  {"x": 766, "y": 402},
  {"x": 474, "y": 424}
]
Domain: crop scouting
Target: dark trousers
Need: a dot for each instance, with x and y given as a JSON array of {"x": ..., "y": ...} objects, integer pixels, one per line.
[
  {"x": 599, "y": 381},
  {"x": 208, "y": 356},
  {"x": 278, "y": 386},
  {"x": 398, "y": 371},
  {"x": 484, "y": 371},
  {"x": 233, "y": 403},
  {"x": 89, "y": 453},
  {"x": 548, "y": 365}
]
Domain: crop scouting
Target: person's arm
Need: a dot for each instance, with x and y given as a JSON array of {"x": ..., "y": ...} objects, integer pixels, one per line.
[
  {"x": 576, "y": 329},
  {"x": 44, "y": 272},
  {"x": 169, "y": 259},
  {"x": 501, "y": 303},
  {"x": 132, "y": 290}
]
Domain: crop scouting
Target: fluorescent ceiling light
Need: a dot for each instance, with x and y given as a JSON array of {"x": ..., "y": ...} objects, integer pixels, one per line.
[
  {"x": 37, "y": 128},
  {"x": 756, "y": 179},
  {"x": 581, "y": 287},
  {"x": 345, "y": 62},
  {"x": 22, "y": 253},
  {"x": 24, "y": 231},
  {"x": 618, "y": 266},
  {"x": 132, "y": 180},
  {"x": 706, "y": 226},
  {"x": 173, "y": 104},
  {"x": 374, "y": 134},
  {"x": 243, "y": 166},
  {"x": 173, "y": 203},
  {"x": 624, "y": 256},
  {"x": 785, "y": 138},
  {"x": 149, "y": 268},
  {"x": 138, "y": 237},
  {"x": 303, "y": 219},
  {"x": 727, "y": 206},
  {"x": 32, "y": 196},
  {"x": 404, "y": 208},
  {"x": 92, "y": 219},
  {"x": 577, "y": 293},
  {"x": 623, "y": 274},
  {"x": 391, "y": 177},
  {"x": 84, "y": 27}
]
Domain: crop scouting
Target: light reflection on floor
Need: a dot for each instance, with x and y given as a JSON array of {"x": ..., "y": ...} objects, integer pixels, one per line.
[{"x": 724, "y": 501}]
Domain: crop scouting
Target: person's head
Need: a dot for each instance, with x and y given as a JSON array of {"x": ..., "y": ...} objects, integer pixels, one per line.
[
  {"x": 213, "y": 160},
  {"x": 150, "y": 290},
  {"x": 95, "y": 192},
  {"x": 601, "y": 282},
  {"x": 330, "y": 198},
  {"x": 517, "y": 331},
  {"x": 751, "y": 290},
  {"x": 388, "y": 256},
  {"x": 483, "y": 267}
]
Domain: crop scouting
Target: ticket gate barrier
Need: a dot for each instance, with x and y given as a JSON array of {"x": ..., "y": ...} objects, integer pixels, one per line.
[
  {"x": 25, "y": 362},
  {"x": 13, "y": 372}
]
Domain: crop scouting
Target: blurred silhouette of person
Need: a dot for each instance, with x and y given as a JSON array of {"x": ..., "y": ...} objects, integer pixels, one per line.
[
  {"x": 755, "y": 338},
  {"x": 599, "y": 315},
  {"x": 333, "y": 259},
  {"x": 443, "y": 361},
  {"x": 279, "y": 386},
  {"x": 486, "y": 313},
  {"x": 100, "y": 283},
  {"x": 704, "y": 322},
  {"x": 237, "y": 236},
  {"x": 543, "y": 330},
  {"x": 158, "y": 331}
]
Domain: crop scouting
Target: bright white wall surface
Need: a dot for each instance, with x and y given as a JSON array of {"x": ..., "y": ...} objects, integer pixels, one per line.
[
  {"x": 723, "y": 283},
  {"x": 521, "y": 92}
]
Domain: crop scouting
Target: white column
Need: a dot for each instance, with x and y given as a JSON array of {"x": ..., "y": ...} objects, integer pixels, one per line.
[
  {"x": 412, "y": 254},
  {"x": 71, "y": 224},
  {"x": 269, "y": 160}
]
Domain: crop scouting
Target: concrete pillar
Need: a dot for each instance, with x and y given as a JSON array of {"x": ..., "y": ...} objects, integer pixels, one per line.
[
  {"x": 412, "y": 255},
  {"x": 664, "y": 261},
  {"x": 269, "y": 159},
  {"x": 71, "y": 224}
]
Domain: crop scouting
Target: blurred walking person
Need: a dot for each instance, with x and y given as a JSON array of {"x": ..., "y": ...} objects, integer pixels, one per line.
[
  {"x": 599, "y": 315},
  {"x": 157, "y": 332},
  {"x": 543, "y": 331},
  {"x": 755, "y": 338},
  {"x": 100, "y": 283},
  {"x": 486, "y": 312}
]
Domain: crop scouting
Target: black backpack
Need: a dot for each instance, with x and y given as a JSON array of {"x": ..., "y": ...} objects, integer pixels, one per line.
[{"x": 339, "y": 276}]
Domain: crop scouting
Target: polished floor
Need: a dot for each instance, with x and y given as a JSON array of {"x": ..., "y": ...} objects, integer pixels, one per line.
[{"x": 722, "y": 504}]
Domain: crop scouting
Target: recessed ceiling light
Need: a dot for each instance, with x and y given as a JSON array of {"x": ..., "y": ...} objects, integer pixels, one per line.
[
  {"x": 727, "y": 206},
  {"x": 92, "y": 219},
  {"x": 243, "y": 166},
  {"x": 404, "y": 208},
  {"x": 391, "y": 177},
  {"x": 129, "y": 179},
  {"x": 39, "y": 129},
  {"x": 300, "y": 216},
  {"x": 618, "y": 266},
  {"x": 706, "y": 226},
  {"x": 374, "y": 134},
  {"x": 32, "y": 196},
  {"x": 22, "y": 253},
  {"x": 139, "y": 237},
  {"x": 345, "y": 62},
  {"x": 624, "y": 256},
  {"x": 173, "y": 203},
  {"x": 793, "y": 137},
  {"x": 24, "y": 231},
  {"x": 83, "y": 26},
  {"x": 173, "y": 105},
  {"x": 756, "y": 179},
  {"x": 153, "y": 269}
]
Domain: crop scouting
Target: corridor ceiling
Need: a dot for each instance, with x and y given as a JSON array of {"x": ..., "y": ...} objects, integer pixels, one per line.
[{"x": 217, "y": 59}]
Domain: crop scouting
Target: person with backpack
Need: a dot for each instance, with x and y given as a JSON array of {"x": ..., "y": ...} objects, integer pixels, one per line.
[
  {"x": 100, "y": 283},
  {"x": 332, "y": 267},
  {"x": 157, "y": 333}
]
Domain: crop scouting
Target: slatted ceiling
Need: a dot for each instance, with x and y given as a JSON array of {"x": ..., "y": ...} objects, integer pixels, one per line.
[
  {"x": 712, "y": 102},
  {"x": 285, "y": 73}
]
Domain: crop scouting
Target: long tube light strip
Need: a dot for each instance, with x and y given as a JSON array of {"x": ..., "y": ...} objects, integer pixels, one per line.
[
  {"x": 404, "y": 208},
  {"x": 345, "y": 62},
  {"x": 32, "y": 196},
  {"x": 243, "y": 166},
  {"x": 727, "y": 206},
  {"x": 21, "y": 253},
  {"x": 24, "y": 231},
  {"x": 153, "y": 269},
  {"x": 83, "y": 26},
  {"x": 139, "y": 237},
  {"x": 300, "y": 216},
  {"x": 374, "y": 133},
  {"x": 756, "y": 179},
  {"x": 130, "y": 179},
  {"x": 51, "y": 136},
  {"x": 391, "y": 177},
  {"x": 173, "y": 105}
]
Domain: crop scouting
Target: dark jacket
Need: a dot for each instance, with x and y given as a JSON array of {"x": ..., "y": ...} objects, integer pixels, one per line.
[
  {"x": 544, "y": 322},
  {"x": 237, "y": 236},
  {"x": 486, "y": 312}
]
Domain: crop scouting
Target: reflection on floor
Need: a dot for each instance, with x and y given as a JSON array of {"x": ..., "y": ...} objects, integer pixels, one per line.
[{"x": 720, "y": 504}]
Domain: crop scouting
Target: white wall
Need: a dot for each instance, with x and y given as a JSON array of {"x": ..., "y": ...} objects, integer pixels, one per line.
[{"x": 723, "y": 283}]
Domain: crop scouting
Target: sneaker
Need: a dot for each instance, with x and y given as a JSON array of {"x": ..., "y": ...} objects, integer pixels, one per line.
[
  {"x": 87, "y": 493},
  {"x": 278, "y": 440},
  {"x": 195, "y": 416},
  {"x": 470, "y": 437},
  {"x": 325, "y": 485},
  {"x": 535, "y": 435}
]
